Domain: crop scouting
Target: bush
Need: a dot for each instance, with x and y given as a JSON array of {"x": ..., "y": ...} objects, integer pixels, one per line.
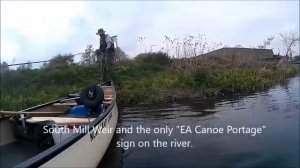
[{"x": 157, "y": 58}]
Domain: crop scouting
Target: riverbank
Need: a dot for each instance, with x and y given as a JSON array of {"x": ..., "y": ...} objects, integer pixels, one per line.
[
  {"x": 149, "y": 78},
  {"x": 209, "y": 78}
]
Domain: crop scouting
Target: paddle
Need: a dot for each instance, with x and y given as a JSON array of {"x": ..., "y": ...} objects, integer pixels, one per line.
[{"x": 103, "y": 68}]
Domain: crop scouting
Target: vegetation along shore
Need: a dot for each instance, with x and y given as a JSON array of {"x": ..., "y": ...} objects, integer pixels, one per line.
[{"x": 148, "y": 78}]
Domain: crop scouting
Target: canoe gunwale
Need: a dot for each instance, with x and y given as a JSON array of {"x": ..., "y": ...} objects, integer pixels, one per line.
[{"x": 50, "y": 153}]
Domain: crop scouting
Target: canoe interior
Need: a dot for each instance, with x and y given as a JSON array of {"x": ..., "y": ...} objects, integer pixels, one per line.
[
  {"x": 16, "y": 152},
  {"x": 16, "y": 149}
]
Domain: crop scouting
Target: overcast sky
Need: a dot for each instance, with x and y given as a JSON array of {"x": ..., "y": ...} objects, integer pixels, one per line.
[{"x": 40, "y": 30}]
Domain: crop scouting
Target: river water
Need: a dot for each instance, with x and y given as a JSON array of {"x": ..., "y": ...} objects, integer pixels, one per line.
[{"x": 276, "y": 111}]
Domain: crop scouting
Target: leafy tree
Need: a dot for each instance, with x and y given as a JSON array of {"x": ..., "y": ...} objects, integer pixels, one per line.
[
  {"x": 120, "y": 54},
  {"x": 60, "y": 61},
  {"x": 89, "y": 56},
  {"x": 22, "y": 67},
  {"x": 4, "y": 66},
  {"x": 28, "y": 65}
]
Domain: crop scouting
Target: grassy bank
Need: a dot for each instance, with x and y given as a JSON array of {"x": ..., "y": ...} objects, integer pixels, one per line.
[
  {"x": 25, "y": 88},
  {"x": 208, "y": 81},
  {"x": 149, "y": 78}
]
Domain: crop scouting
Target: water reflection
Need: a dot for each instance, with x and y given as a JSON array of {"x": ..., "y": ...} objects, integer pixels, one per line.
[{"x": 277, "y": 146}]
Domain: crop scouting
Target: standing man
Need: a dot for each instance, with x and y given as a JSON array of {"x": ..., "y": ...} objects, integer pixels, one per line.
[{"x": 106, "y": 52}]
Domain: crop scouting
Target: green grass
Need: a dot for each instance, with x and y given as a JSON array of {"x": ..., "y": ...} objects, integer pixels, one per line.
[
  {"x": 24, "y": 88},
  {"x": 149, "y": 78},
  {"x": 172, "y": 85}
]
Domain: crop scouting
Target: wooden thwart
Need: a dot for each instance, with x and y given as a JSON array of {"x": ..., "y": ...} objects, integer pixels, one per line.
[
  {"x": 65, "y": 104},
  {"x": 61, "y": 120},
  {"x": 108, "y": 98},
  {"x": 103, "y": 87},
  {"x": 30, "y": 112}
]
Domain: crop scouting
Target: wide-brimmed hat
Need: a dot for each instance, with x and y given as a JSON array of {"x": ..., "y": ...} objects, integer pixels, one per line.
[{"x": 100, "y": 31}]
